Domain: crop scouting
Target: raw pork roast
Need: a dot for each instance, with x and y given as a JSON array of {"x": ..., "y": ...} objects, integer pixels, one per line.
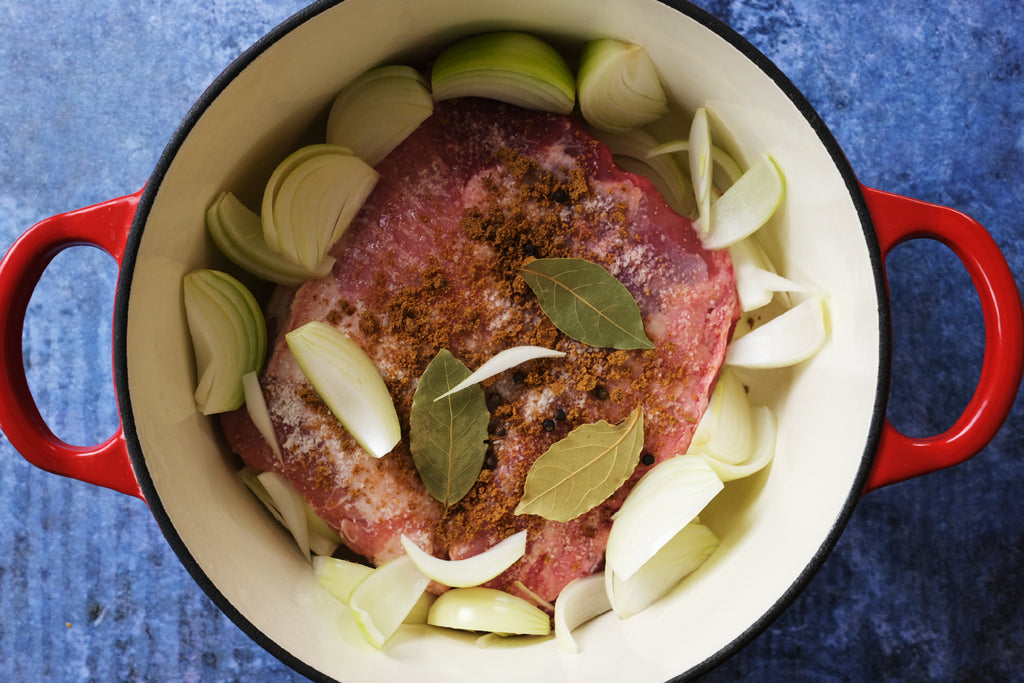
[{"x": 432, "y": 262}]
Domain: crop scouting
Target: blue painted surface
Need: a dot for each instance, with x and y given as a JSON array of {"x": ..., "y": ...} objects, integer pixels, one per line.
[{"x": 926, "y": 99}]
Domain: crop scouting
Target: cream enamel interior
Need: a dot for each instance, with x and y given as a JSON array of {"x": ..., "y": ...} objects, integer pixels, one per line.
[{"x": 771, "y": 525}]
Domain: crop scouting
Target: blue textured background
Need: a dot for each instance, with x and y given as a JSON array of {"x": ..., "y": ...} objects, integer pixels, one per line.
[{"x": 927, "y": 100}]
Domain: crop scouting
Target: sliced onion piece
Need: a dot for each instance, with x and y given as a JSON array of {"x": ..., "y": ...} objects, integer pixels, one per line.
[
  {"x": 249, "y": 477},
  {"x": 665, "y": 500},
  {"x": 728, "y": 169},
  {"x": 471, "y": 571},
  {"x": 290, "y": 506},
  {"x": 513, "y": 67},
  {"x": 279, "y": 242},
  {"x": 631, "y": 150},
  {"x": 678, "y": 558},
  {"x": 383, "y": 600},
  {"x": 581, "y": 600},
  {"x": 339, "y": 577},
  {"x": 349, "y": 383},
  {"x": 256, "y": 406},
  {"x": 229, "y": 337},
  {"x": 699, "y": 156},
  {"x": 379, "y": 109},
  {"x": 747, "y": 205},
  {"x": 788, "y": 339},
  {"x": 619, "y": 86},
  {"x": 238, "y": 233},
  {"x": 726, "y": 430},
  {"x": 765, "y": 437},
  {"x": 310, "y": 200},
  {"x": 756, "y": 279},
  {"x": 502, "y": 361},
  {"x": 323, "y": 540},
  {"x": 488, "y": 609}
]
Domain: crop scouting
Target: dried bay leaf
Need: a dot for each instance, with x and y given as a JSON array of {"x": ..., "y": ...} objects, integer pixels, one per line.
[
  {"x": 447, "y": 437},
  {"x": 583, "y": 469},
  {"x": 587, "y": 303}
]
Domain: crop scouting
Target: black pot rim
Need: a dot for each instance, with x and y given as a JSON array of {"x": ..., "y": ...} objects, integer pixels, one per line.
[{"x": 120, "y": 323}]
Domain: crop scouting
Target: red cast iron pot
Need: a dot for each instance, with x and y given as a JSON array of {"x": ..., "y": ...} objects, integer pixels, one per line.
[{"x": 776, "y": 528}]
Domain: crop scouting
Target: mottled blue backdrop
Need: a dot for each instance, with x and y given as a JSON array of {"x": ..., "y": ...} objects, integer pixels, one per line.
[{"x": 927, "y": 100}]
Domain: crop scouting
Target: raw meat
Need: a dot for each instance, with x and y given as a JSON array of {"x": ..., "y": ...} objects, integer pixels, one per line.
[{"x": 431, "y": 262}]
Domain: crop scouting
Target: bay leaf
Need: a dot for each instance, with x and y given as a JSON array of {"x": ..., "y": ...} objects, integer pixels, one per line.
[
  {"x": 583, "y": 469},
  {"x": 586, "y": 302},
  {"x": 447, "y": 437}
]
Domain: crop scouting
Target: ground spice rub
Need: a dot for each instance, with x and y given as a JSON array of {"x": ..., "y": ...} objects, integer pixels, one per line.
[{"x": 432, "y": 262}]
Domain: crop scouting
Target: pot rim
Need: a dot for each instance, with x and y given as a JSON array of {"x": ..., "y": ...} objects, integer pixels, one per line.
[{"x": 221, "y": 82}]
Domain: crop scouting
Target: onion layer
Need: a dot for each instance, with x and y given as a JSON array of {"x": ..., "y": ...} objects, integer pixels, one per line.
[
  {"x": 349, "y": 383},
  {"x": 238, "y": 233},
  {"x": 229, "y": 337},
  {"x": 746, "y": 206},
  {"x": 471, "y": 571},
  {"x": 310, "y": 200},
  {"x": 788, "y": 339},
  {"x": 665, "y": 500},
  {"x": 488, "y": 609},
  {"x": 580, "y": 601},
  {"x": 382, "y": 601},
  {"x": 509, "y": 66},
  {"x": 678, "y": 558},
  {"x": 376, "y": 111},
  {"x": 619, "y": 87}
]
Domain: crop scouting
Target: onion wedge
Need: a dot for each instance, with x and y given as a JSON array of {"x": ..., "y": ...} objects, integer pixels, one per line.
[
  {"x": 509, "y": 66},
  {"x": 746, "y": 206},
  {"x": 471, "y": 571},
  {"x": 375, "y": 112},
  {"x": 382, "y": 601},
  {"x": 687, "y": 550},
  {"x": 581, "y": 600},
  {"x": 665, "y": 500},
  {"x": 238, "y": 233},
  {"x": 290, "y": 506},
  {"x": 349, "y": 383},
  {"x": 256, "y": 406},
  {"x": 229, "y": 337},
  {"x": 488, "y": 609},
  {"x": 619, "y": 86},
  {"x": 339, "y": 577},
  {"x": 699, "y": 156},
  {"x": 788, "y": 339},
  {"x": 726, "y": 430},
  {"x": 765, "y": 435},
  {"x": 310, "y": 200},
  {"x": 756, "y": 279}
]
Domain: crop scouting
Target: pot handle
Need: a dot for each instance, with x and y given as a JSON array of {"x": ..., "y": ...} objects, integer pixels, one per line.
[
  {"x": 103, "y": 225},
  {"x": 898, "y": 219}
]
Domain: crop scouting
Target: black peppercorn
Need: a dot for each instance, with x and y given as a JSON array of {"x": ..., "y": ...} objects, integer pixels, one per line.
[
  {"x": 560, "y": 415},
  {"x": 647, "y": 458},
  {"x": 549, "y": 425},
  {"x": 560, "y": 195},
  {"x": 602, "y": 394}
]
